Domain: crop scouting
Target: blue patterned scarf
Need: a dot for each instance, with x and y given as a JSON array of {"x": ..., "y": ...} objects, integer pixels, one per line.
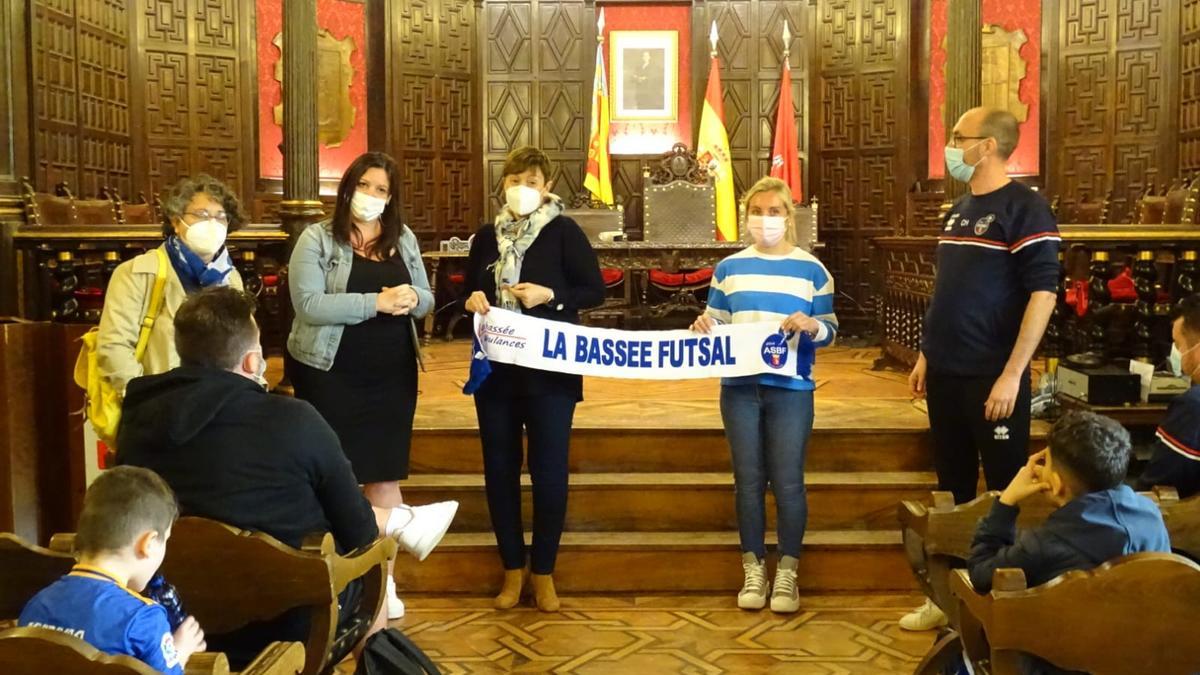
[
  {"x": 193, "y": 272},
  {"x": 513, "y": 237}
]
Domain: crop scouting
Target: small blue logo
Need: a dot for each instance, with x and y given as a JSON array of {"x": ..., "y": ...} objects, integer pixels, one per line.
[{"x": 775, "y": 350}]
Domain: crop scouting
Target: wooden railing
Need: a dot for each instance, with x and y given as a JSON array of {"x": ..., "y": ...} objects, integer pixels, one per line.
[{"x": 1162, "y": 261}]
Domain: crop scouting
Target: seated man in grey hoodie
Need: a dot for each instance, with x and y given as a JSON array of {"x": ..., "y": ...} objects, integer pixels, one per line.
[{"x": 1098, "y": 519}]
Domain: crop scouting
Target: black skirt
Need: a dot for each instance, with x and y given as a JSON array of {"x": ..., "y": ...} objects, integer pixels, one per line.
[{"x": 369, "y": 395}]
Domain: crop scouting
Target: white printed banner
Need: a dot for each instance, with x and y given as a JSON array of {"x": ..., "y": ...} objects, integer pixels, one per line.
[{"x": 729, "y": 351}]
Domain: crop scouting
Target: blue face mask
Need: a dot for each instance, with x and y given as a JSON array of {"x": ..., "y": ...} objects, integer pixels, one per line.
[{"x": 956, "y": 166}]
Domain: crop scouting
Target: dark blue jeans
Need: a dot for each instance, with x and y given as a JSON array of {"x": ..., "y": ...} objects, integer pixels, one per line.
[
  {"x": 768, "y": 429},
  {"x": 546, "y": 419}
]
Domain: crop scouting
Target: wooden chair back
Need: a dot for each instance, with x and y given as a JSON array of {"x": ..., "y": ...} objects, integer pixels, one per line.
[
  {"x": 680, "y": 199},
  {"x": 594, "y": 218},
  {"x": 1152, "y": 208},
  {"x": 47, "y": 209},
  {"x": 937, "y": 537},
  {"x": 135, "y": 213},
  {"x": 1125, "y": 617},
  {"x": 228, "y": 578},
  {"x": 36, "y": 651},
  {"x": 26, "y": 569},
  {"x": 1177, "y": 198},
  {"x": 1087, "y": 210},
  {"x": 96, "y": 211},
  {"x": 1182, "y": 518}
]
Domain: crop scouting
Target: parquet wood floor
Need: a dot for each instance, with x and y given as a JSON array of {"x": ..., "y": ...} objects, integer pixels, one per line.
[{"x": 660, "y": 635}]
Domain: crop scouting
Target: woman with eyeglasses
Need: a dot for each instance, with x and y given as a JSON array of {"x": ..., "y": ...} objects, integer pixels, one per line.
[{"x": 198, "y": 213}]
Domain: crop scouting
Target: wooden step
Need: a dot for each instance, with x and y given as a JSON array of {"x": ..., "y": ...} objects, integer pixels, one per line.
[
  {"x": 679, "y": 450},
  {"x": 663, "y": 562},
  {"x": 684, "y": 502},
  {"x": 457, "y": 450}
]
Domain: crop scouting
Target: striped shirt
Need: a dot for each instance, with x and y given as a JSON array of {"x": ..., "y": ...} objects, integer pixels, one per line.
[{"x": 751, "y": 286}]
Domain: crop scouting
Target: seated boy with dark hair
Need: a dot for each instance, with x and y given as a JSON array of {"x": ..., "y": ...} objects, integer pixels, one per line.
[
  {"x": 1176, "y": 458},
  {"x": 1099, "y": 517},
  {"x": 120, "y": 543}
]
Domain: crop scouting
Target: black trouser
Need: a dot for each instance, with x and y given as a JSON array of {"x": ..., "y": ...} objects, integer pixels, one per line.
[
  {"x": 962, "y": 435},
  {"x": 547, "y": 420}
]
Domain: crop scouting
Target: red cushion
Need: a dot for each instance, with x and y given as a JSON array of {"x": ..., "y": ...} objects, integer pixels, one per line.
[
  {"x": 696, "y": 278},
  {"x": 1121, "y": 287},
  {"x": 612, "y": 276},
  {"x": 457, "y": 278}
]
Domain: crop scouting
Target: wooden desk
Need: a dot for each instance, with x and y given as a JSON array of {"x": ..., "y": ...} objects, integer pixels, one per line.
[{"x": 1133, "y": 415}]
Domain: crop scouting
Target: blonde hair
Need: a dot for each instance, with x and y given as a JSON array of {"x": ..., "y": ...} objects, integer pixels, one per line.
[{"x": 780, "y": 188}]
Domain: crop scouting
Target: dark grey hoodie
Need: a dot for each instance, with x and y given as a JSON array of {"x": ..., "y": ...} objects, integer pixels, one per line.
[{"x": 234, "y": 453}]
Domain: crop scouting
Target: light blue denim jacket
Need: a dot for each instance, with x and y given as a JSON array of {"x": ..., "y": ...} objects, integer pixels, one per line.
[{"x": 317, "y": 276}]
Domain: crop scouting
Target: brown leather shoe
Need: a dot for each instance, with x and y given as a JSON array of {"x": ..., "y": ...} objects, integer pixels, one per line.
[
  {"x": 510, "y": 592},
  {"x": 543, "y": 592}
]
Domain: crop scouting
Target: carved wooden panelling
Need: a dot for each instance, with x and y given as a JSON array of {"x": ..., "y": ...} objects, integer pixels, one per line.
[
  {"x": 861, "y": 160},
  {"x": 196, "y": 116},
  {"x": 1111, "y": 111},
  {"x": 434, "y": 134},
  {"x": 81, "y": 94},
  {"x": 538, "y": 60},
  {"x": 1189, "y": 88}
]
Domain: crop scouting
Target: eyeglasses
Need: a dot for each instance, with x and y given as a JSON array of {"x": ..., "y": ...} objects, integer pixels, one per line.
[
  {"x": 220, "y": 217},
  {"x": 956, "y": 139}
]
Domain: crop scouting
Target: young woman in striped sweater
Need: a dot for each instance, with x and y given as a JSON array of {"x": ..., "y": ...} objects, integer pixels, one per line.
[{"x": 768, "y": 418}]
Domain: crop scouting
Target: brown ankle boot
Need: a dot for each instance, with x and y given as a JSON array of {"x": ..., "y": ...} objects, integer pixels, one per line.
[
  {"x": 543, "y": 592},
  {"x": 510, "y": 592}
]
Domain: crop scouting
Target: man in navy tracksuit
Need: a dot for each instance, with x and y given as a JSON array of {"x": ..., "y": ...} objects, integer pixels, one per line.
[
  {"x": 1176, "y": 458},
  {"x": 997, "y": 277}
]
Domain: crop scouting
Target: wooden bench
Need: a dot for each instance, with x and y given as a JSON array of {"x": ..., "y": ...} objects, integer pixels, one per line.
[
  {"x": 228, "y": 578},
  {"x": 937, "y": 540},
  {"x": 26, "y": 569},
  {"x": 1182, "y": 518},
  {"x": 37, "y": 651},
  {"x": 1130, "y": 616}
]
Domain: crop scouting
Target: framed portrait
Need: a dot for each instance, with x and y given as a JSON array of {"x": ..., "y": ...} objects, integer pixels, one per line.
[{"x": 645, "y": 74}]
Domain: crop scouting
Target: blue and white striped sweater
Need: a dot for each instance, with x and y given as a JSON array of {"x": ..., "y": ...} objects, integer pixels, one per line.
[{"x": 751, "y": 286}]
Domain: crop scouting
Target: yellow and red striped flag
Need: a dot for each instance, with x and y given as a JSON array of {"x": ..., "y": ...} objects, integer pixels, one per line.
[
  {"x": 712, "y": 149},
  {"x": 598, "y": 180}
]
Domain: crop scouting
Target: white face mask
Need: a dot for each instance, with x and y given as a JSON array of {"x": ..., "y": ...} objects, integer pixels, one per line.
[
  {"x": 367, "y": 207},
  {"x": 767, "y": 231},
  {"x": 522, "y": 200},
  {"x": 205, "y": 238}
]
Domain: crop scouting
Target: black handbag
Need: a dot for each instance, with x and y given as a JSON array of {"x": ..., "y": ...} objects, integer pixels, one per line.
[{"x": 390, "y": 652}]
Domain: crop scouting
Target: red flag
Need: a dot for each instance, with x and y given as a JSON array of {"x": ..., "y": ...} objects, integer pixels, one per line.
[{"x": 785, "y": 156}]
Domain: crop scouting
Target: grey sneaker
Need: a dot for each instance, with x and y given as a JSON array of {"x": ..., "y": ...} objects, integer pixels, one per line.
[
  {"x": 785, "y": 598},
  {"x": 755, "y": 588}
]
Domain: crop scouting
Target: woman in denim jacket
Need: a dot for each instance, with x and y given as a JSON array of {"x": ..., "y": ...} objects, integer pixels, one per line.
[{"x": 357, "y": 284}]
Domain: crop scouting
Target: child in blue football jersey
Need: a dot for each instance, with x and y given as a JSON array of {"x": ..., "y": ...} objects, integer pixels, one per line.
[{"x": 120, "y": 543}]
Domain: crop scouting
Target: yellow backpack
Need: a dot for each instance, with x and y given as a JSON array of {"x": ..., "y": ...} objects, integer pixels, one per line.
[{"x": 103, "y": 403}]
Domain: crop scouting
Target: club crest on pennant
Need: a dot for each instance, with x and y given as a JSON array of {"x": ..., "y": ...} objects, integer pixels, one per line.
[{"x": 775, "y": 351}]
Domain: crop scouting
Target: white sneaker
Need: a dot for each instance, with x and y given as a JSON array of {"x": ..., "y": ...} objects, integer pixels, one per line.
[
  {"x": 926, "y": 617},
  {"x": 785, "y": 598},
  {"x": 395, "y": 606},
  {"x": 418, "y": 529},
  {"x": 754, "y": 589}
]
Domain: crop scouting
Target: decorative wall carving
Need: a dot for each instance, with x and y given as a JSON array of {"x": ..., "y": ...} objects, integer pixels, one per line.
[
  {"x": 1189, "y": 88},
  {"x": 434, "y": 132},
  {"x": 1109, "y": 109},
  {"x": 861, "y": 162},
  {"x": 198, "y": 108},
  {"x": 82, "y": 98}
]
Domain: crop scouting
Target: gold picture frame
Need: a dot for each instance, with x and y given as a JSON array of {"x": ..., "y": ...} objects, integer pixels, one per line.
[
  {"x": 335, "y": 112},
  {"x": 645, "y": 75}
]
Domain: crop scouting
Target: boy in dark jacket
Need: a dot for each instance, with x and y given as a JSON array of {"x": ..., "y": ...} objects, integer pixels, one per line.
[{"x": 1098, "y": 519}]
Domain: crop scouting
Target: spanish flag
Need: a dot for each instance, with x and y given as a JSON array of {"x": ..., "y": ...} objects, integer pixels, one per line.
[
  {"x": 598, "y": 180},
  {"x": 713, "y": 151}
]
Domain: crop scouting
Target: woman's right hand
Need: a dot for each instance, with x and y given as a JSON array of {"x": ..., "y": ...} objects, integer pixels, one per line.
[
  {"x": 392, "y": 301},
  {"x": 703, "y": 324},
  {"x": 478, "y": 303}
]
